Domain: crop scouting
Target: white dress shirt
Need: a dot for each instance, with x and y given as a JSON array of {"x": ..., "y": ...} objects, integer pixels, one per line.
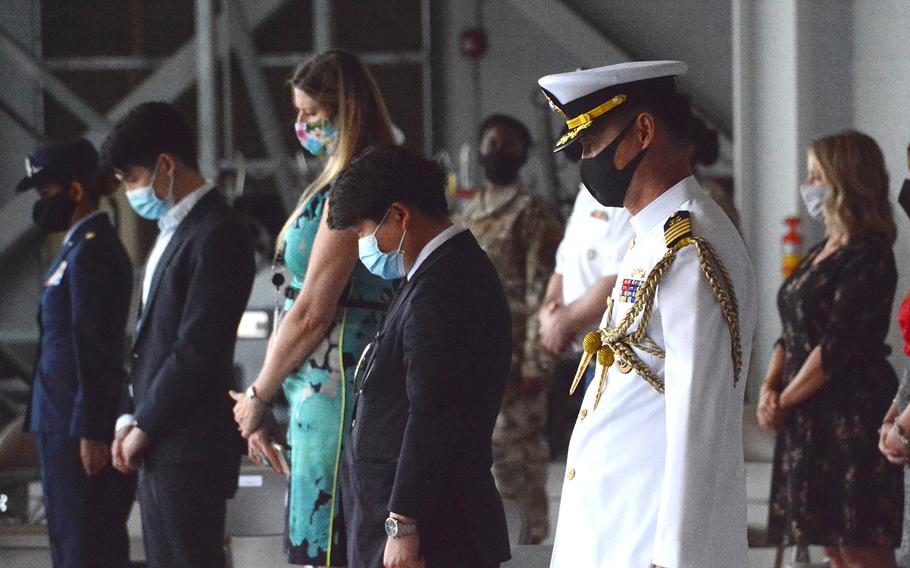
[
  {"x": 167, "y": 226},
  {"x": 434, "y": 244},
  {"x": 659, "y": 478}
]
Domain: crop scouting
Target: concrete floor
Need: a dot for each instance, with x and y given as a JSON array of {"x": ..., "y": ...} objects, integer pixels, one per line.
[{"x": 28, "y": 548}]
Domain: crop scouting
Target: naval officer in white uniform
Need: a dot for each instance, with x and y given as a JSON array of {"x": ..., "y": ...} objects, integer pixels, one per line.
[{"x": 655, "y": 473}]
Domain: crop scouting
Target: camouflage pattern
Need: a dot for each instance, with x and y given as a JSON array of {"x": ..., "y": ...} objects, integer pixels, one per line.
[{"x": 521, "y": 232}]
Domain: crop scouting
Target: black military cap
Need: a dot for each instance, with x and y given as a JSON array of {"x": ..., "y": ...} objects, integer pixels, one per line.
[{"x": 58, "y": 163}]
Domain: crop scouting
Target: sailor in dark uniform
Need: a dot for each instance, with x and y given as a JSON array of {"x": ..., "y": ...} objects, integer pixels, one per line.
[{"x": 79, "y": 377}]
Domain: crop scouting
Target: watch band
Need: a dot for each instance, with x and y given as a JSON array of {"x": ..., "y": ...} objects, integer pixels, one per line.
[
  {"x": 901, "y": 435},
  {"x": 251, "y": 394},
  {"x": 397, "y": 529}
]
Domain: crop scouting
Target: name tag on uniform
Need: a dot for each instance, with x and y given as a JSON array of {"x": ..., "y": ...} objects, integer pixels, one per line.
[
  {"x": 57, "y": 276},
  {"x": 629, "y": 291}
]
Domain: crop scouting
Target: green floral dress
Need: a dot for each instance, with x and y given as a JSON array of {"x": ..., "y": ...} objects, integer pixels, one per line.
[{"x": 320, "y": 394}]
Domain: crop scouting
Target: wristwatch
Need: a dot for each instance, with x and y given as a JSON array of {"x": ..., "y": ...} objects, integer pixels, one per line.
[
  {"x": 397, "y": 529},
  {"x": 901, "y": 435},
  {"x": 251, "y": 394}
]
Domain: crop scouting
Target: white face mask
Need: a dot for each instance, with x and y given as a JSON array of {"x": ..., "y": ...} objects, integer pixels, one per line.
[{"x": 814, "y": 196}]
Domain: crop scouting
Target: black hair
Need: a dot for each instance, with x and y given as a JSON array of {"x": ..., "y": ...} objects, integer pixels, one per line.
[
  {"x": 705, "y": 144},
  {"x": 509, "y": 123},
  {"x": 672, "y": 110},
  {"x": 146, "y": 132},
  {"x": 381, "y": 176}
]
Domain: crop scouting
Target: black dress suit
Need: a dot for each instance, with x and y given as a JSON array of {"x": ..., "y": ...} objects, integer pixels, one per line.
[
  {"x": 78, "y": 380},
  {"x": 428, "y": 398},
  {"x": 182, "y": 368}
]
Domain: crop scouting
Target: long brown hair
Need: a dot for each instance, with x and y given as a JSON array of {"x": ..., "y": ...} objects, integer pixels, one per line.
[
  {"x": 338, "y": 80},
  {"x": 855, "y": 170}
]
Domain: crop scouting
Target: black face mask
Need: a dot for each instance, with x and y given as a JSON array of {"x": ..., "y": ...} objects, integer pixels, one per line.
[
  {"x": 501, "y": 168},
  {"x": 53, "y": 215},
  {"x": 607, "y": 184},
  {"x": 904, "y": 197}
]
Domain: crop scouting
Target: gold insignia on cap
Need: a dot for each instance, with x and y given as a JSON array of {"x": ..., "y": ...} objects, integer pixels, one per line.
[
  {"x": 586, "y": 119},
  {"x": 553, "y": 105},
  {"x": 89, "y": 236},
  {"x": 677, "y": 228}
]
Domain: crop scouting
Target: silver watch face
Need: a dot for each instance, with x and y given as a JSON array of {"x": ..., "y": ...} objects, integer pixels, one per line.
[{"x": 391, "y": 527}]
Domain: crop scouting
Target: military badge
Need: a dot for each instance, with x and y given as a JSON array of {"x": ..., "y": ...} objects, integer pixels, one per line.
[
  {"x": 57, "y": 276},
  {"x": 677, "y": 228},
  {"x": 629, "y": 291}
]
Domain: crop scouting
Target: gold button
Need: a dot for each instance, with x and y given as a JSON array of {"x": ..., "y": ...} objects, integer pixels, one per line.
[
  {"x": 592, "y": 254},
  {"x": 570, "y": 475},
  {"x": 583, "y": 413},
  {"x": 632, "y": 244}
]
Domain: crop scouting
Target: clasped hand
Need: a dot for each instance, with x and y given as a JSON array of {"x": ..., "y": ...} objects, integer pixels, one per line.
[
  {"x": 771, "y": 416},
  {"x": 891, "y": 447},
  {"x": 247, "y": 413},
  {"x": 130, "y": 444},
  {"x": 555, "y": 336}
]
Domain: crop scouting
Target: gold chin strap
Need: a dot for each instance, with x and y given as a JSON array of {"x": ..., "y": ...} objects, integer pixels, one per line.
[{"x": 616, "y": 343}]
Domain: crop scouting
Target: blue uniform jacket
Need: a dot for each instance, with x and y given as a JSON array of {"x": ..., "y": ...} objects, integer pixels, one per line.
[{"x": 82, "y": 316}]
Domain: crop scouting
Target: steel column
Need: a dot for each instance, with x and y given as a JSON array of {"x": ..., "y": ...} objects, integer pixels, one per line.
[{"x": 206, "y": 106}]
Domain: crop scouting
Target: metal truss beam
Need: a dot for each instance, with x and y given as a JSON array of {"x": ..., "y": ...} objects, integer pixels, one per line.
[
  {"x": 35, "y": 68},
  {"x": 261, "y": 100}
]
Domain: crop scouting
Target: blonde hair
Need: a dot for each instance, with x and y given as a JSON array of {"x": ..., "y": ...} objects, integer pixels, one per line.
[
  {"x": 338, "y": 80},
  {"x": 854, "y": 167}
]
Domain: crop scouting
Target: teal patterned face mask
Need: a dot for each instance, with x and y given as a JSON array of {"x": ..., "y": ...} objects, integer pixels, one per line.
[{"x": 319, "y": 138}]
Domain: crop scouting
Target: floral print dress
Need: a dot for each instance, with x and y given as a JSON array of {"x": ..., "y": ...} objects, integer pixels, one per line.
[
  {"x": 830, "y": 485},
  {"x": 320, "y": 395}
]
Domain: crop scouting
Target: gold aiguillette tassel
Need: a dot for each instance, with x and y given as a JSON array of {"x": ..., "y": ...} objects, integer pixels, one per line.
[
  {"x": 605, "y": 359},
  {"x": 590, "y": 345}
]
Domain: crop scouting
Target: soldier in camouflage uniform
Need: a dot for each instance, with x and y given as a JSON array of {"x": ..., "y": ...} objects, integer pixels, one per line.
[{"x": 520, "y": 232}]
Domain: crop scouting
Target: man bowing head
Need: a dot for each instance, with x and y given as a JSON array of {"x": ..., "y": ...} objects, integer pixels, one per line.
[
  {"x": 416, "y": 480},
  {"x": 655, "y": 465}
]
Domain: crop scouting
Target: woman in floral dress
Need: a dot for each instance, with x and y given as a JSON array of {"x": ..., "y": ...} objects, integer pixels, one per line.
[
  {"x": 829, "y": 382},
  {"x": 334, "y": 309}
]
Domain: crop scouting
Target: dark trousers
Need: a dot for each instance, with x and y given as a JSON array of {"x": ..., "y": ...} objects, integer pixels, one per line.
[
  {"x": 86, "y": 516},
  {"x": 183, "y": 513}
]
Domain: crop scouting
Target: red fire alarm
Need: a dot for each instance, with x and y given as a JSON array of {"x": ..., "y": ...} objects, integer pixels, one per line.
[{"x": 473, "y": 43}]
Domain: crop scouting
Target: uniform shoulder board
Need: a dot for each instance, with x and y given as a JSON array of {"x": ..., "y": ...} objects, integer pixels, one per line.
[{"x": 677, "y": 227}]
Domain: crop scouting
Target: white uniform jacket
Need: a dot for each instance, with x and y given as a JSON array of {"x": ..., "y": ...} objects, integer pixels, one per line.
[
  {"x": 595, "y": 241},
  {"x": 659, "y": 479}
]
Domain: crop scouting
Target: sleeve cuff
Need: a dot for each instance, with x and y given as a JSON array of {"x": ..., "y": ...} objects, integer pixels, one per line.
[{"x": 124, "y": 421}]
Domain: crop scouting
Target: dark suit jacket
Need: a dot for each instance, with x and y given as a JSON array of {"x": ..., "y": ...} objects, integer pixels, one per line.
[
  {"x": 82, "y": 317},
  {"x": 431, "y": 390},
  {"x": 183, "y": 352}
]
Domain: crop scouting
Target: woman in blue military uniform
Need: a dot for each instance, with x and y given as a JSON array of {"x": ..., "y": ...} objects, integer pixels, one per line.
[{"x": 79, "y": 375}]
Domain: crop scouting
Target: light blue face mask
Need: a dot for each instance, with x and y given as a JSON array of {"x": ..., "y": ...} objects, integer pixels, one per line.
[
  {"x": 146, "y": 204},
  {"x": 387, "y": 265}
]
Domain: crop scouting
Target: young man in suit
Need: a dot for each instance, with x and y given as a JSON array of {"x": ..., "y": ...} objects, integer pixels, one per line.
[
  {"x": 416, "y": 482},
  {"x": 179, "y": 430},
  {"x": 79, "y": 377}
]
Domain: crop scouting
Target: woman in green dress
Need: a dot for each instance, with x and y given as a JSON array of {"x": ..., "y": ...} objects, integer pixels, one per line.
[{"x": 334, "y": 310}]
